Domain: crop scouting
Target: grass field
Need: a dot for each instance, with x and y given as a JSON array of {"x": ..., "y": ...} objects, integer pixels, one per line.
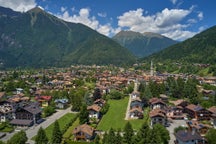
[
  {"x": 68, "y": 133},
  {"x": 62, "y": 122},
  {"x": 114, "y": 118}
]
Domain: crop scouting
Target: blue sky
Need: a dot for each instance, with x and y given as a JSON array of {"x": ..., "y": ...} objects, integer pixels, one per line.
[{"x": 176, "y": 19}]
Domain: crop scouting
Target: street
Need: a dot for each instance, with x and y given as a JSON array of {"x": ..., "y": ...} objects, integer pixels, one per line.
[{"x": 173, "y": 125}]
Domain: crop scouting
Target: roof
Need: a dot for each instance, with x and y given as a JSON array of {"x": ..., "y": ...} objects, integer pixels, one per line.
[
  {"x": 194, "y": 107},
  {"x": 46, "y": 98},
  {"x": 2, "y": 94},
  {"x": 178, "y": 102},
  {"x": 94, "y": 107},
  {"x": 63, "y": 101},
  {"x": 136, "y": 109},
  {"x": 33, "y": 108},
  {"x": 100, "y": 101},
  {"x": 21, "y": 122},
  {"x": 184, "y": 136},
  {"x": 157, "y": 112},
  {"x": 85, "y": 129},
  {"x": 212, "y": 109},
  {"x": 197, "y": 125}
]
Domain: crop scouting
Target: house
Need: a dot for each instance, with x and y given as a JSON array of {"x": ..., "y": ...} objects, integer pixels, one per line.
[
  {"x": 156, "y": 103},
  {"x": 134, "y": 95},
  {"x": 197, "y": 112},
  {"x": 164, "y": 98},
  {"x": 27, "y": 114},
  {"x": 84, "y": 133},
  {"x": 213, "y": 115},
  {"x": 200, "y": 128},
  {"x": 136, "y": 112},
  {"x": 158, "y": 116},
  {"x": 61, "y": 103},
  {"x": 100, "y": 102},
  {"x": 43, "y": 100},
  {"x": 180, "y": 102},
  {"x": 175, "y": 112},
  {"x": 188, "y": 137},
  {"x": 19, "y": 90},
  {"x": 6, "y": 111},
  {"x": 136, "y": 103},
  {"x": 94, "y": 111}
]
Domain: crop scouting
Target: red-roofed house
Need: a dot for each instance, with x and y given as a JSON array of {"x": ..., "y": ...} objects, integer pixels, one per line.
[{"x": 44, "y": 100}]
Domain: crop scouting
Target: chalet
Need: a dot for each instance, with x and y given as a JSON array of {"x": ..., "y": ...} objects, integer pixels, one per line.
[
  {"x": 158, "y": 116},
  {"x": 100, "y": 102},
  {"x": 43, "y": 100},
  {"x": 19, "y": 90},
  {"x": 188, "y": 137},
  {"x": 213, "y": 115},
  {"x": 135, "y": 95},
  {"x": 136, "y": 103},
  {"x": 164, "y": 98},
  {"x": 136, "y": 113},
  {"x": 27, "y": 114},
  {"x": 197, "y": 112},
  {"x": 180, "y": 102},
  {"x": 61, "y": 103},
  {"x": 175, "y": 112},
  {"x": 94, "y": 111},
  {"x": 6, "y": 111},
  {"x": 156, "y": 103},
  {"x": 200, "y": 128},
  {"x": 84, "y": 133}
]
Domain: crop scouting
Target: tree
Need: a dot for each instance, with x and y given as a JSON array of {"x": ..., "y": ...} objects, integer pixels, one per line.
[
  {"x": 111, "y": 137},
  {"x": 97, "y": 139},
  {"x": 211, "y": 136},
  {"x": 143, "y": 135},
  {"x": 41, "y": 137},
  {"x": 18, "y": 138},
  {"x": 97, "y": 94},
  {"x": 118, "y": 137},
  {"x": 128, "y": 133},
  {"x": 162, "y": 132},
  {"x": 56, "y": 134},
  {"x": 84, "y": 115}
]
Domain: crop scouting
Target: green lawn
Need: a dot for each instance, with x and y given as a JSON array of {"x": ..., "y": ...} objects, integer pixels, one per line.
[
  {"x": 115, "y": 116},
  {"x": 63, "y": 121},
  {"x": 68, "y": 133}
]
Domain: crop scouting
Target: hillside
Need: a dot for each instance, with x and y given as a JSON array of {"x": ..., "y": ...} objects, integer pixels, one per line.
[
  {"x": 144, "y": 44},
  {"x": 39, "y": 39},
  {"x": 199, "y": 49}
]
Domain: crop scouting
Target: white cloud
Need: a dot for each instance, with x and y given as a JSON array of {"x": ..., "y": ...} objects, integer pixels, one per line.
[
  {"x": 102, "y": 14},
  {"x": 200, "y": 15},
  {"x": 169, "y": 22},
  {"x": 63, "y": 9},
  {"x": 174, "y": 1},
  {"x": 19, "y": 5}
]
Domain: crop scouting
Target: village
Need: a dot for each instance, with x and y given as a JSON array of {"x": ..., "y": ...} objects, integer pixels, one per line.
[{"x": 103, "y": 98}]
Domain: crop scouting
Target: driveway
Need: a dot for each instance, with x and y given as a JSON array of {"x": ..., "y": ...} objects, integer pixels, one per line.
[
  {"x": 32, "y": 131},
  {"x": 174, "y": 124}
]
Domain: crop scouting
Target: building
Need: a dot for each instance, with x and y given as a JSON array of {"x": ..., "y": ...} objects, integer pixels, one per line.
[
  {"x": 61, "y": 103},
  {"x": 44, "y": 100},
  {"x": 84, "y": 133},
  {"x": 188, "y": 137},
  {"x": 6, "y": 111},
  {"x": 156, "y": 103},
  {"x": 197, "y": 112},
  {"x": 200, "y": 128},
  {"x": 158, "y": 116},
  {"x": 94, "y": 111}
]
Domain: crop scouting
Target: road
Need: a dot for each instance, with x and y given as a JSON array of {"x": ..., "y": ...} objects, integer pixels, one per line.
[
  {"x": 174, "y": 124},
  {"x": 129, "y": 101},
  {"x": 32, "y": 131}
]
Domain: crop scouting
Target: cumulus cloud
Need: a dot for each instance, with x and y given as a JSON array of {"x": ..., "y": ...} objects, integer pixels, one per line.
[
  {"x": 102, "y": 14},
  {"x": 63, "y": 9},
  {"x": 174, "y": 1},
  {"x": 169, "y": 22},
  {"x": 200, "y": 15},
  {"x": 19, "y": 5},
  {"x": 85, "y": 18}
]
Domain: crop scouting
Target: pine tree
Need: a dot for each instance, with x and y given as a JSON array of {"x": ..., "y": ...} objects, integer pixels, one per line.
[
  {"x": 18, "y": 138},
  {"x": 118, "y": 139},
  {"x": 41, "y": 137},
  {"x": 211, "y": 136},
  {"x": 143, "y": 135},
  {"x": 97, "y": 139},
  {"x": 84, "y": 115},
  {"x": 56, "y": 134},
  {"x": 128, "y": 133},
  {"x": 111, "y": 137}
]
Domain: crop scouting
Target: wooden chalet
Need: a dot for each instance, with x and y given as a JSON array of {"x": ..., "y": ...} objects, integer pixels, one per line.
[{"x": 84, "y": 133}]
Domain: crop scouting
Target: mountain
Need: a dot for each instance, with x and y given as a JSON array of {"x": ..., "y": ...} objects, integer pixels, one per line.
[
  {"x": 199, "y": 49},
  {"x": 39, "y": 39},
  {"x": 144, "y": 44}
]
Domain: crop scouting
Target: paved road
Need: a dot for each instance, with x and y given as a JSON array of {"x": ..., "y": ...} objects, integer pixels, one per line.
[
  {"x": 129, "y": 101},
  {"x": 174, "y": 124},
  {"x": 32, "y": 131}
]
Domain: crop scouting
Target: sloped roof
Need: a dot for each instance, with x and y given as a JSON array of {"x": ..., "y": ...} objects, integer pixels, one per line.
[
  {"x": 85, "y": 129},
  {"x": 187, "y": 135},
  {"x": 94, "y": 107}
]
